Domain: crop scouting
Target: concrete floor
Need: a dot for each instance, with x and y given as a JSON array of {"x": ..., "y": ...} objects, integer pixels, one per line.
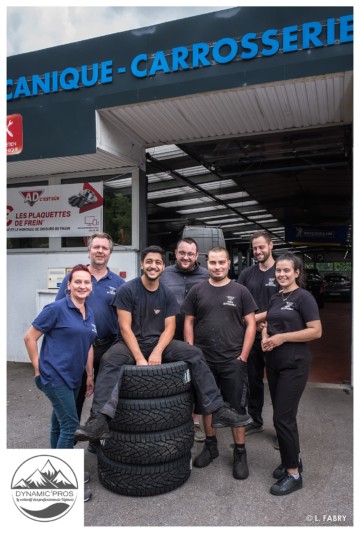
[{"x": 212, "y": 497}]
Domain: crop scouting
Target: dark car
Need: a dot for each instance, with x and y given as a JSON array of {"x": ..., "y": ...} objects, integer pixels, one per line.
[
  {"x": 337, "y": 287},
  {"x": 314, "y": 283}
]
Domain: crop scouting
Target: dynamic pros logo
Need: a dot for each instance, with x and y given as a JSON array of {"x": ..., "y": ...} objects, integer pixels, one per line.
[{"x": 44, "y": 488}]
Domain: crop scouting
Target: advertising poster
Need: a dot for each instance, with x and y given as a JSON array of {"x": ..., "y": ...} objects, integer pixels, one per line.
[{"x": 74, "y": 210}]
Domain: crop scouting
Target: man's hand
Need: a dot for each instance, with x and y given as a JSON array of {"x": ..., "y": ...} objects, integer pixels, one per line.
[
  {"x": 141, "y": 362},
  {"x": 155, "y": 357},
  {"x": 89, "y": 387}
]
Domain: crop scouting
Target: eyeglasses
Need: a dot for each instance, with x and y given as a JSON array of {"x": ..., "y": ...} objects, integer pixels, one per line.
[{"x": 189, "y": 254}]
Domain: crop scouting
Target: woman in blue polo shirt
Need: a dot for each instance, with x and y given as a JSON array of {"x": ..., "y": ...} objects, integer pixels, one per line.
[{"x": 69, "y": 330}]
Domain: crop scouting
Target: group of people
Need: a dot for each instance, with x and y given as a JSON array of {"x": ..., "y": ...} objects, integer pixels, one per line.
[{"x": 226, "y": 330}]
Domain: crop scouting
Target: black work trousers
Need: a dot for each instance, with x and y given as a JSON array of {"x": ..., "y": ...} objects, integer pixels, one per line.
[
  {"x": 208, "y": 398},
  {"x": 287, "y": 369},
  {"x": 255, "y": 369}
]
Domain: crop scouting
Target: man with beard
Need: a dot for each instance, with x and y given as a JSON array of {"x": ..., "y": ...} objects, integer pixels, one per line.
[
  {"x": 147, "y": 312},
  {"x": 261, "y": 282},
  {"x": 180, "y": 277}
]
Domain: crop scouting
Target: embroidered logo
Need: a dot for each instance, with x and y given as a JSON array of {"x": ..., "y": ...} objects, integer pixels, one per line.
[
  {"x": 112, "y": 290},
  {"x": 157, "y": 311},
  {"x": 230, "y": 301},
  {"x": 289, "y": 306},
  {"x": 270, "y": 283}
]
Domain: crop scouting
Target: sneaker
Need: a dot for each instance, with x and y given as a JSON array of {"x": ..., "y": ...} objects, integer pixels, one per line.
[
  {"x": 96, "y": 428},
  {"x": 281, "y": 470},
  {"x": 87, "y": 493},
  {"x": 209, "y": 452},
  {"x": 286, "y": 485},
  {"x": 93, "y": 446},
  {"x": 253, "y": 428},
  {"x": 199, "y": 434},
  {"x": 86, "y": 477},
  {"x": 227, "y": 417},
  {"x": 240, "y": 466}
]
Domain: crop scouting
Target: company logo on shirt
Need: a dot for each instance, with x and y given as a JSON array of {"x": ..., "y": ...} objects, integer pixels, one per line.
[
  {"x": 230, "y": 301},
  {"x": 271, "y": 283},
  {"x": 112, "y": 290},
  {"x": 93, "y": 328},
  {"x": 157, "y": 311},
  {"x": 289, "y": 306}
]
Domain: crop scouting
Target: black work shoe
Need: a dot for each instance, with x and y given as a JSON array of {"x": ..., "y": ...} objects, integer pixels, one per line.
[
  {"x": 96, "y": 428},
  {"x": 227, "y": 417},
  {"x": 87, "y": 493},
  {"x": 86, "y": 477},
  {"x": 209, "y": 452},
  {"x": 286, "y": 484},
  {"x": 281, "y": 470},
  {"x": 253, "y": 428},
  {"x": 240, "y": 466}
]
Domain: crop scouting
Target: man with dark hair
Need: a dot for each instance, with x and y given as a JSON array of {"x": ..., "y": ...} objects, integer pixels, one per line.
[
  {"x": 220, "y": 319},
  {"x": 261, "y": 282},
  {"x": 147, "y": 315},
  {"x": 180, "y": 278}
]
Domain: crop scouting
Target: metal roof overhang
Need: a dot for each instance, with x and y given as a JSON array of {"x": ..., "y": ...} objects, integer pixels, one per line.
[{"x": 233, "y": 136}]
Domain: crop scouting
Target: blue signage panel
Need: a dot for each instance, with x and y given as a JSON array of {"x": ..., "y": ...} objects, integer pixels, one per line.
[{"x": 335, "y": 235}]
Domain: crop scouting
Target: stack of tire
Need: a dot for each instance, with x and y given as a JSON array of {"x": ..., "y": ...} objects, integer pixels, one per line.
[{"x": 152, "y": 432}]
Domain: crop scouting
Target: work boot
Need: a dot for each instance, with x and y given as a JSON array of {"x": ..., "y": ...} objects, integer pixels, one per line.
[
  {"x": 226, "y": 416},
  {"x": 281, "y": 470},
  {"x": 95, "y": 428},
  {"x": 209, "y": 452},
  {"x": 240, "y": 466},
  {"x": 87, "y": 493}
]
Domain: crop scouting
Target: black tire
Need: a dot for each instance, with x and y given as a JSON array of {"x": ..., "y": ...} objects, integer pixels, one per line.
[
  {"x": 155, "y": 381},
  {"x": 150, "y": 448},
  {"x": 157, "y": 414},
  {"x": 143, "y": 480}
]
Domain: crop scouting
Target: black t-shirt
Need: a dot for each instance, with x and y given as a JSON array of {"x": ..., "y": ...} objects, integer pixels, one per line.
[
  {"x": 291, "y": 314},
  {"x": 148, "y": 309},
  {"x": 219, "y": 327},
  {"x": 262, "y": 285}
]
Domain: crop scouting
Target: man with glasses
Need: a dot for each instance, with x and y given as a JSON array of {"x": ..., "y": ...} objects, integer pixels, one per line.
[{"x": 179, "y": 278}]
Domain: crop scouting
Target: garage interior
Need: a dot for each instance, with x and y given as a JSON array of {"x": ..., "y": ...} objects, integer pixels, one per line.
[{"x": 256, "y": 158}]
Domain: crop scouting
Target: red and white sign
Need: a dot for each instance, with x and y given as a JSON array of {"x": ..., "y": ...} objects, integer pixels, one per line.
[
  {"x": 74, "y": 210},
  {"x": 14, "y": 134}
]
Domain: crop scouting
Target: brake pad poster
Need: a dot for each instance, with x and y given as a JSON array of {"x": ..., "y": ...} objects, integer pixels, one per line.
[{"x": 74, "y": 210}]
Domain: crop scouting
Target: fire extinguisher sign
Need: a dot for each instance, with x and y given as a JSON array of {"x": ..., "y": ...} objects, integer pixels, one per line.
[{"x": 14, "y": 134}]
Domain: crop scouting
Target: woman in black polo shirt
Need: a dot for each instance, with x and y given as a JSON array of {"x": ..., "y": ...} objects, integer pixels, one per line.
[{"x": 292, "y": 320}]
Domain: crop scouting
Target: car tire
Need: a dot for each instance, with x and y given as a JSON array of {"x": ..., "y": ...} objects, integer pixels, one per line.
[
  {"x": 155, "y": 381},
  {"x": 143, "y": 480},
  {"x": 149, "y": 448},
  {"x": 156, "y": 414}
]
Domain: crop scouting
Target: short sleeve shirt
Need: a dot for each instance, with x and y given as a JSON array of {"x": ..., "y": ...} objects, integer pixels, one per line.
[
  {"x": 100, "y": 300},
  {"x": 291, "y": 314},
  {"x": 149, "y": 310},
  {"x": 261, "y": 284},
  {"x": 66, "y": 343},
  {"x": 219, "y": 327}
]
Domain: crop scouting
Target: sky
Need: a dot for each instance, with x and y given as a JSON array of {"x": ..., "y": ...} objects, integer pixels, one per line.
[{"x": 35, "y": 28}]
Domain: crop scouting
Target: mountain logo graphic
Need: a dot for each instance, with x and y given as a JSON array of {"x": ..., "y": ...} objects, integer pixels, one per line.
[{"x": 44, "y": 488}]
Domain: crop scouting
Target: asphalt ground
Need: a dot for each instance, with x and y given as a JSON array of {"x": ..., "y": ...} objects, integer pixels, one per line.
[{"x": 212, "y": 497}]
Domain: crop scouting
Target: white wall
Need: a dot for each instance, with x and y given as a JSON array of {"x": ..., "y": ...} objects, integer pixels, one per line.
[{"x": 28, "y": 272}]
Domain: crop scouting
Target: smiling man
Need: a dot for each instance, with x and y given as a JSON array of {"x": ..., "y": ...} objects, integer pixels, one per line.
[
  {"x": 147, "y": 313},
  {"x": 260, "y": 280}
]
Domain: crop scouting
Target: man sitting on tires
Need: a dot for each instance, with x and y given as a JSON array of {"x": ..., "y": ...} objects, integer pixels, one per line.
[{"x": 147, "y": 317}]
